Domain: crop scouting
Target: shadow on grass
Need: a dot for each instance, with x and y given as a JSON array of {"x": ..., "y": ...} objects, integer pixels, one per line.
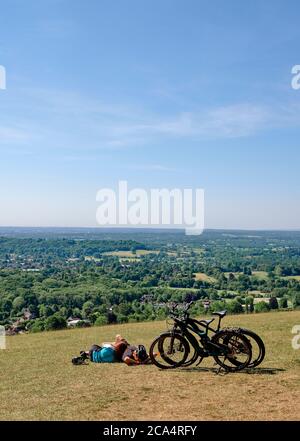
[
  {"x": 263, "y": 371},
  {"x": 217, "y": 370}
]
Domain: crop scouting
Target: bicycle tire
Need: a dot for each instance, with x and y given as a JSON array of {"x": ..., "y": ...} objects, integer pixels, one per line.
[
  {"x": 160, "y": 340},
  {"x": 194, "y": 357},
  {"x": 235, "y": 347},
  {"x": 262, "y": 349},
  {"x": 193, "y": 345}
]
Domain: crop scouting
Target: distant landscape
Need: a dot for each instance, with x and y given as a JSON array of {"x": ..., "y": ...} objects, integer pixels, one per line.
[
  {"x": 104, "y": 282},
  {"x": 55, "y": 278}
]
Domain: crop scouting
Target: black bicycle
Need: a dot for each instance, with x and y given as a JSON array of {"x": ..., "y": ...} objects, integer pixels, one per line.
[{"x": 229, "y": 347}]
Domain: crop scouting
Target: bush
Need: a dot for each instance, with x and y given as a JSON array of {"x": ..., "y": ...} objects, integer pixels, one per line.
[
  {"x": 101, "y": 320},
  {"x": 122, "y": 318},
  {"x": 18, "y": 304},
  {"x": 83, "y": 324},
  {"x": 296, "y": 299},
  {"x": 234, "y": 307},
  {"x": 54, "y": 322},
  {"x": 218, "y": 306},
  {"x": 249, "y": 302},
  {"x": 37, "y": 325},
  {"x": 87, "y": 309},
  {"x": 283, "y": 303},
  {"x": 261, "y": 307}
]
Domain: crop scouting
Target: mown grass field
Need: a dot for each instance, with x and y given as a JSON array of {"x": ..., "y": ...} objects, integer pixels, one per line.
[
  {"x": 38, "y": 381},
  {"x": 204, "y": 278},
  {"x": 292, "y": 278},
  {"x": 262, "y": 275}
]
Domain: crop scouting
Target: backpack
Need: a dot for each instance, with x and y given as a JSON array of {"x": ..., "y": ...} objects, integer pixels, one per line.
[{"x": 141, "y": 353}]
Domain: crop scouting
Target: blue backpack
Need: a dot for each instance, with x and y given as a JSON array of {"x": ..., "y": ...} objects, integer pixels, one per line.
[{"x": 104, "y": 355}]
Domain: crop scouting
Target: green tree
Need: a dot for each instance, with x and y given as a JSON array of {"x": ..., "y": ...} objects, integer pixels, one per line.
[
  {"x": 273, "y": 303},
  {"x": 6, "y": 305},
  {"x": 45, "y": 311},
  {"x": 37, "y": 325},
  {"x": 279, "y": 271},
  {"x": 283, "y": 303},
  {"x": 87, "y": 309},
  {"x": 76, "y": 312},
  {"x": 261, "y": 307},
  {"x": 101, "y": 320},
  {"x": 249, "y": 302},
  {"x": 218, "y": 306},
  {"x": 18, "y": 304},
  {"x": 122, "y": 318},
  {"x": 296, "y": 299},
  {"x": 54, "y": 322},
  {"x": 234, "y": 307}
]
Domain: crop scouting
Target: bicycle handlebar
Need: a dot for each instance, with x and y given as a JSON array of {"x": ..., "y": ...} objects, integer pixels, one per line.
[
  {"x": 184, "y": 310},
  {"x": 172, "y": 306}
]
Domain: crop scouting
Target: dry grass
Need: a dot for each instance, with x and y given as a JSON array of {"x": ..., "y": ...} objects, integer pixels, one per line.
[
  {"x": 262, "y": 275},
  {"x": 291, "y": 278},
  {"x": 204, "y": 278},
  {"x": 38, "y": 382}
]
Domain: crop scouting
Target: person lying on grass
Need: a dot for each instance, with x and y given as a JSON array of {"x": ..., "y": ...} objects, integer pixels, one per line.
[
  {"x": 134, "y": 355},
  {"x": 119, "y": 350}
]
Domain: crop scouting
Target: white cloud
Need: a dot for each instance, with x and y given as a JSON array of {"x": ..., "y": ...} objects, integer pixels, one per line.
[
  {"x": 68, "y": 120},
  {"x": 227, "y": 122}
]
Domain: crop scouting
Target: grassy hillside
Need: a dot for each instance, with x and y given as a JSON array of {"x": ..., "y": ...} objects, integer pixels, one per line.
[{"x": 38, "y": 381}]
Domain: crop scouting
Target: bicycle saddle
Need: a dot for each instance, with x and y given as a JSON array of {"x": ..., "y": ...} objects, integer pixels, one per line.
[
  {"x": 220, "y": 314},
  {"x": 206, "y": 322}
]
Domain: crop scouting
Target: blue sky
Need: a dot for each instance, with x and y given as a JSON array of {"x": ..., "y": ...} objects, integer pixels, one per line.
[{"x": 172, "y": 93}]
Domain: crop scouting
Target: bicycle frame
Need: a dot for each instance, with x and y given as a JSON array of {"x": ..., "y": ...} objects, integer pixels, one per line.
[
  {"x": 209, "y": 348},
  {"x": 190, "y": 336}
]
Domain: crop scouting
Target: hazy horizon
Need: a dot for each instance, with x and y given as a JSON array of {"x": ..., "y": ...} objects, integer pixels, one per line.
[{"x": 127, "y": 228}]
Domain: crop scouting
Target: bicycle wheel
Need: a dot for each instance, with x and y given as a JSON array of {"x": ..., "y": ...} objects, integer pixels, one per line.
[
  {"x": 193, "y": 354},
  {"x": 238, "y": 347},
  {"x": 257, "y": 347},
  {"x": 172, "y": 350},
  {"x": 192, "y": 359}
]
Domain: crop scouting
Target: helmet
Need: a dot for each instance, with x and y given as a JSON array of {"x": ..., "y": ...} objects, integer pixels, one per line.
[{"x": 141, "y": 353}]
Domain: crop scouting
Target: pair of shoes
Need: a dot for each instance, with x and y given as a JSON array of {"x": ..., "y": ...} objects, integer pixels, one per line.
[
  {"x": 78, "y": 360},
  {"x": 83, "y": 355}
]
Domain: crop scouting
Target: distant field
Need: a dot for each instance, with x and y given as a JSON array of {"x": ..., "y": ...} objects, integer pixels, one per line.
[
  {"x": 255, "y": 293},
  {"x": 38, "y": 381},
  {"x": 91, "y": 258},
  {"x": 292, "y": 277},
  {"x": 130, "y": 254},
  {"x": 258, "y": 274},
  {"x": 204, "y": 278},
  {"x": 199, "y": 250}
]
